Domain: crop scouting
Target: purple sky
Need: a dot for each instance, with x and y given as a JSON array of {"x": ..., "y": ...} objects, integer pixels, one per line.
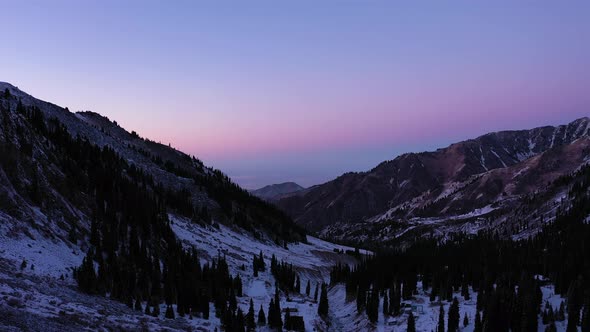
[{"x": 273, "y": 91}]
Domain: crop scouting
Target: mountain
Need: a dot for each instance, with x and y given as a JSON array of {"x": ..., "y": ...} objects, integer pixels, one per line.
[
  {"x": 101, "y": 229},
  {"x": 276, "y": 191},
  {"x": 473, "y": 177}
]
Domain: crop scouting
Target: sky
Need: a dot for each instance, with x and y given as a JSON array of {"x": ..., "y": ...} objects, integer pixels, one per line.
[{"x": 275, "y": 91}]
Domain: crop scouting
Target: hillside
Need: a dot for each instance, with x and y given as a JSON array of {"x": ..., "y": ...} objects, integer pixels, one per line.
[{"x": 96, "y": 222}]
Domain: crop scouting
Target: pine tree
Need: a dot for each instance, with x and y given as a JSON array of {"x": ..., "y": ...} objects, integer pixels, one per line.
[
  {"x": 315, "y": 295},
  {"x": 477, "y": 327},
  {"x": 250, "y": 319},
  {"x": 272, "y": 320},
  {"x": 480, "y": 300},
  {"x": 288, "y": 320},
  {"x": 361, "y": 298},
  {"x": 385, "y": 305},
  {"x": 298, "y": 285},
  {"x": 138, "y": 305},
  {"x": 275, "y": 321},
  {"x": 156, "y": 311},
  {"x": 308, "y": 288},
  {"x": 169, "y": 312},
  {"x": 411, "y": 323},
  {"x": 551, "y": 327},
  {"x": 441, "y": 320},
  {"x": 373, "y": 306},
  {"x": 586, "y": 316},
  {"x": 395, "y": 301},
  {"x": 240, "y": 322},
  {"x": 561, "y": 312},
  {"x": 465, "y": 291},
  {"x": 261, "y": 317},
  {"x": 323, "y": 306},
  {"x": 454, "y": 316}
]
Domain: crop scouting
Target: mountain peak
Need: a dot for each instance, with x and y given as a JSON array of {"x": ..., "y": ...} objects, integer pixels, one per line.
[{"x": 276, "y": 191}]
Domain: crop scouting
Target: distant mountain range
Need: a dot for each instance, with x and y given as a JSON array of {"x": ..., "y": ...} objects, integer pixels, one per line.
[
  {"x": 478, "y": 179},
  {"x": 274, "y": 192}
]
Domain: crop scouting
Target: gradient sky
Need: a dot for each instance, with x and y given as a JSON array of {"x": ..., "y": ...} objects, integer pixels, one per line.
[{"x": 273, "y": 91}]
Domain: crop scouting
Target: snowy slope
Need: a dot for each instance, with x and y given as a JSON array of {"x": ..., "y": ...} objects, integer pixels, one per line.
[
  {"x": 31, "y": 298},
  {"x": 311, "y": 261}
]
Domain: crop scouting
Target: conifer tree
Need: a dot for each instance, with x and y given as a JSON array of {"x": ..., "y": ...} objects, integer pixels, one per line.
[
  {"x": 233, "y": 302},
  {"x": 465, "y": 291},
  {"x": 361, "y": 298},
  {"x": 138, "y": 305},
  {"x": 315, "y": 294},
  {"x": 453, "y": 322},
  {"x": 561, "y": 313},
  {"x": 477, "y": 323},
  {"x": 272, "y": 321},
  {"x": 411, "y": 323},
  {"x": 585, "y": 326},
  {"x": 240, "y": 324},
  {"x": 288, "y": 320},
  {"x": 261, "y": 317},
  {"x": 250, "y": 319},
  {"x": 308, "y": 288},
  {"x": 278, "y": 319},
  {"x": 373, "y": 306},
  {"x": 169, "y": 312},
  {"x": 395, "y": 301},
  {"x": 441, "y": 320},
  {"x": 323, "y": 306},
  {"x": 385, "y": 305}
]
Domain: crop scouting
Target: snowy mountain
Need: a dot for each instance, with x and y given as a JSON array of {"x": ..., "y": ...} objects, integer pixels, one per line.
[
  {"x": 101, "y": 229},
  {"x": 95, "y": 222},
  {"x": 467, "y": 179},
  {"x": 274, "y": 192}
]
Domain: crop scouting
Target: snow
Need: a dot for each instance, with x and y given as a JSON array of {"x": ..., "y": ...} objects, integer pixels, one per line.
[
  {"x": 426, "y": 320},
  {"x": 497, "y": 156},
  {"x": 312, "y": 261},
  {"x": 482, "y": 159},
  {"x": 42, "y": 294},
  {"x": 43, "y": 256}
]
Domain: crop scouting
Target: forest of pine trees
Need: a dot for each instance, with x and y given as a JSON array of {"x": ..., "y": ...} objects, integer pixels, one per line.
[
  {"x": 502, "y": 272},
  {"x": 138, "y": 259}
]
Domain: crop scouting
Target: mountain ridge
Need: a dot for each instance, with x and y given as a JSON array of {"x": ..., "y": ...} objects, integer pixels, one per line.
[
  {"x": 276, "y": 191},
  {"x": 412, "y": 181}
]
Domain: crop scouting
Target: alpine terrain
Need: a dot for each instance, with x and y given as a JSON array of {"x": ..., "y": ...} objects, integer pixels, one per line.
[
  {"x": 101, "y": 230},
  {"x": 504, "y": 181}
]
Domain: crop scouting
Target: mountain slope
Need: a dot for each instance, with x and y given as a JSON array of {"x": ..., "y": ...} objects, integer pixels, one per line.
[
  {"x": 209, "y": 192},
  {"x": 455, "y": 180},
  {"x": 94, "y": 219},
  {"x": 276, "y": 191}
]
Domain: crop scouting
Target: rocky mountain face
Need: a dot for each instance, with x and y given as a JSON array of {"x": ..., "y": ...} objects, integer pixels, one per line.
[
  {"x": 274, "y": 192},
  {"x": 480, "y": 174}
]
